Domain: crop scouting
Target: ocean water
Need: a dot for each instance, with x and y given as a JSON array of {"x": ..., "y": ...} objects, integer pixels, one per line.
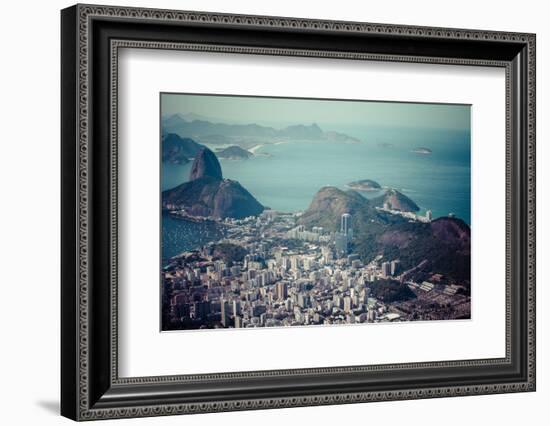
[
  {"x": 287, "y": 175},
  {"x": 181, "y": 235}
]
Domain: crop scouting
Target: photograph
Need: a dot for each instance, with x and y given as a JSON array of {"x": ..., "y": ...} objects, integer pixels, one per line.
[
  {"x": 263, "y": 208},
  {"x": 284, "y": 211}
]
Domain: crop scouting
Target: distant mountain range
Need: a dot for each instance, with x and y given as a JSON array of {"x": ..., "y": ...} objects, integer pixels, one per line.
[{"x": 205, "y": 131}]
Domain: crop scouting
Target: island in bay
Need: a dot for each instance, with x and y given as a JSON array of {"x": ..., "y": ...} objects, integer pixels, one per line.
[
  {"x": 422, "y": 150},
  {"x": 365, "y": 185},
  {"x": 271, "y": 242},
  {"x": 234, "y": 152}
]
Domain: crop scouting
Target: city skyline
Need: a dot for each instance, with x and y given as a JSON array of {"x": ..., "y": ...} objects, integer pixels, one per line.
[{"x": 342, "y": 295}]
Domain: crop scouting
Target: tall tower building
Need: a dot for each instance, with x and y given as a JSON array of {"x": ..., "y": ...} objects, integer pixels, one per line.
[
  {"x": 294, "y": 263},
  {"x": 429, "y": 215},
  {"x": 345, "y": 224}
]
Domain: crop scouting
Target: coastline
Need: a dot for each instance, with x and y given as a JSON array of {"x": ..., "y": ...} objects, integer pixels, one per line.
[
  {"x": 261, "y": 145},
  {"x": 255, "y": 148}
]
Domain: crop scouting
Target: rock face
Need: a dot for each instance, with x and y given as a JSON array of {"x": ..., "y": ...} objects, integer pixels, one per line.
[
  {"x": 208, "y": 194},
  {"x": 206, "y": 164},
  {"x": 395, "y": 200}
]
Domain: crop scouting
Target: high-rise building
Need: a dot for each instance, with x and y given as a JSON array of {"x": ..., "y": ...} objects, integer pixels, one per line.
[
  {"x": 341, "y": 244},
  {"x": 386, "y": 269},
  {"x": 236, "y": 307},
  {"x": 304, "y": 301},
  {"x": 327, "y": 254},
  {"x": 262, "y": 279},
  {"x": 395, "y": 264},
  {"x": 288, "y": 304},
  {"x": 224, "y": 305},
  {"x": 429, "y": 215},
  {"x": 285, "y": 263},
  {"x": 281, "y": 290},
  {"x": 182, "y": 311},
  {"x": 345, "y": 224},
  {"x": 202, "y": 309},
  {"x": 258, "y": 310},
  {"x": 372, "y": 315},
  {"x": 238, "y": 321},
  {"x": 347, "y": 304}
]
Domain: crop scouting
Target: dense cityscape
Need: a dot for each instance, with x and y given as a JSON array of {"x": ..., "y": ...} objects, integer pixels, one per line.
[{"x": 271, "y": 271}]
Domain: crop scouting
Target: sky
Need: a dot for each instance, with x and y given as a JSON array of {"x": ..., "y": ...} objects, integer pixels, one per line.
[{"x": 280, "y": 112}]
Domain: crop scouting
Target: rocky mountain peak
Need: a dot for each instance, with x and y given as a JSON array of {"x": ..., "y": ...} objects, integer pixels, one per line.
[{"x": 206, "y": 164}]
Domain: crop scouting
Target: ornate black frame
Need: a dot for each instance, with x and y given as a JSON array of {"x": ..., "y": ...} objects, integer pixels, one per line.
[{"x": 91, "y": 37}]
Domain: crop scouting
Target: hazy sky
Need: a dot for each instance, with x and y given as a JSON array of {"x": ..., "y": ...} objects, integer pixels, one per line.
[{"x": 279, "y": 112}]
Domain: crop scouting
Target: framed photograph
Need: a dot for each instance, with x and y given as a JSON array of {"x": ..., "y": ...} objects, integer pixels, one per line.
[{"x": 263, "y": 212}]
